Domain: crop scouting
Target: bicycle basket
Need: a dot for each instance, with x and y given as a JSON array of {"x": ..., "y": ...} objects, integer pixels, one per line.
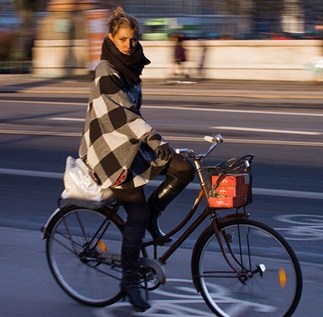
[{"x": 231, "y": 183}]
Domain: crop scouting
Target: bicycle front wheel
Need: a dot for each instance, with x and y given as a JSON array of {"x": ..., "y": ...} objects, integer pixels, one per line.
[
  {"x": 83, "y": 252},
  {"x": 264, "y": 277}
]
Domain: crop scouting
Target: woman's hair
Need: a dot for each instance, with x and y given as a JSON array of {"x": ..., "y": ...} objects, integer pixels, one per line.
[{"x": 119, "y": 18}]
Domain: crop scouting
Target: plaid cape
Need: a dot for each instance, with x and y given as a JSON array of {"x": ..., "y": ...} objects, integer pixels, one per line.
[{"x": 117, "y": 143}]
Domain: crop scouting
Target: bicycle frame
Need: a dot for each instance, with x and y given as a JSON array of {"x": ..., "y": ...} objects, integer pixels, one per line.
[
  {"x": 181, "y": 225},
  {"x": 207, "y": 212}
]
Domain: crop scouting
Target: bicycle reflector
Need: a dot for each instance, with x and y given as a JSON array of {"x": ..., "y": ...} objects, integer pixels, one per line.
[
  {"x": 282, "y": 277},
  {"x": 102, "y": 247}
]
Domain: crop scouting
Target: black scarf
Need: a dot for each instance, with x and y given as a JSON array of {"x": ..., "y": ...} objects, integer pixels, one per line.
[{"x": 129, "y": 66}]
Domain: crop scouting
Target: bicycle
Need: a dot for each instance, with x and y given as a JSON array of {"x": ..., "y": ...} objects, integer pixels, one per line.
[{"x": 244, "y": 258}]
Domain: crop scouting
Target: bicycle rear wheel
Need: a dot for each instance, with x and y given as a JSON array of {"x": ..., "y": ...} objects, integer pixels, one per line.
[
  {"x": 83, "y": 252},
  {"x": 266, "y": 279}
]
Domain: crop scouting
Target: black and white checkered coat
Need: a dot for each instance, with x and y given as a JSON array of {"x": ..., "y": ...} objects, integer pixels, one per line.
[{"x": 116, "y": 140}]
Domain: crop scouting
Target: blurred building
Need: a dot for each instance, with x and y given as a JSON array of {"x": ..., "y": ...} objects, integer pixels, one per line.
[
  {"x": 256, "y": 18},
  {"x": 217, "y": 17},
  {"x": 207, "y": 19}
]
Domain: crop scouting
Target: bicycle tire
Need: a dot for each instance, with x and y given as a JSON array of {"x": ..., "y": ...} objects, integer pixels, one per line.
[
  {"x": 83, "y": 253},
  {"x": 272, "y": 273}
]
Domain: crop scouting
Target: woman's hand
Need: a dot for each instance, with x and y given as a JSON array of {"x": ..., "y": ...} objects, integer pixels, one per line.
[{"x": 164, "y": 152}]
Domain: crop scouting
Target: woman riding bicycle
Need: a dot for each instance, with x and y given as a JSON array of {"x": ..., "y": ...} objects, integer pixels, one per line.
[{"x": 124, "y": 151}]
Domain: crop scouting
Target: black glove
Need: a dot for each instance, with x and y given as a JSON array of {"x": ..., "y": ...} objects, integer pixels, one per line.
[{"x": 164, "y": 152}]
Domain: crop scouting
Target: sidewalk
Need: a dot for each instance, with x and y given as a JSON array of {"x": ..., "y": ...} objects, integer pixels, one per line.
[{"x": 26, "y": 83}]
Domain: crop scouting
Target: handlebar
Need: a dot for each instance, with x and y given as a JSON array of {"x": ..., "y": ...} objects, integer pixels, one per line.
[
  {"x": 215, "y": 140},
  {"x": 233, "y": 165}
]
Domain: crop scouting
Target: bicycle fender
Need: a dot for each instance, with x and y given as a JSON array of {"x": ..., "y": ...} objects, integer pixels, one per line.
[
  {"x": 46, "y": 229},
  {"x": 57, "y": 213}
]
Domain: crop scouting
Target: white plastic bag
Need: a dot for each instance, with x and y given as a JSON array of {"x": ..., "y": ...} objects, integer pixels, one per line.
[{"x": 80, "y": 188}]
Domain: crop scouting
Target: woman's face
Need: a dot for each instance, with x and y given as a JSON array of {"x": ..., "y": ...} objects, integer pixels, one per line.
[{"x": 125, "y": 40}]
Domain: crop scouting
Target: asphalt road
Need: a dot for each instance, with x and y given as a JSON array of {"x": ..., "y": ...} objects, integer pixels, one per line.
[{"x": 39, "y": 129}]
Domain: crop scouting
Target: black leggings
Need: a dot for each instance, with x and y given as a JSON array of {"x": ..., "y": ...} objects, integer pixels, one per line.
[{"x": 179, "y": 171}]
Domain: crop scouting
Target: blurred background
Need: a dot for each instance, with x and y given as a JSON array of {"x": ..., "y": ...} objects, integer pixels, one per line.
[
  {"x": 259, "y": 42},
  {"x": 22, "y": 22}
]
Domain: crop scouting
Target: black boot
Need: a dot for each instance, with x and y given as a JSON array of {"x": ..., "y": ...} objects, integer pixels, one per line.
[
  {"x": 180, "y": 173},
  {"x": 130, "y": 283},
  {"x": 159, "y": 200},
  {"x": 130, "y": 286},
  {"x": 153, "y": 224}
]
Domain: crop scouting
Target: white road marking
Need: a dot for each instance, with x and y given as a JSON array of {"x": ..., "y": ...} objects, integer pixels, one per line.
[
  {"x": 225, "y": 128},
  {"x": 193, "y": 186},
  {"x": 187, "y": 108},
  {"x": 172, "y": 138},
  {"x": 268, "y": 130},
  {"x": 42, "y": 102},
  {"x": 66, "y": 119},
  {"x": 302, "y": 227},
  {"x": 309, "y": 114}
]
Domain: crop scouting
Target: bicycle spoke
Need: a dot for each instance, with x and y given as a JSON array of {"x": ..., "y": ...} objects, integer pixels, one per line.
[
  {"x": 266, "y": 279},
  {"x": 69, "y": 240},
  {"x": 83, "y": 251}
]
